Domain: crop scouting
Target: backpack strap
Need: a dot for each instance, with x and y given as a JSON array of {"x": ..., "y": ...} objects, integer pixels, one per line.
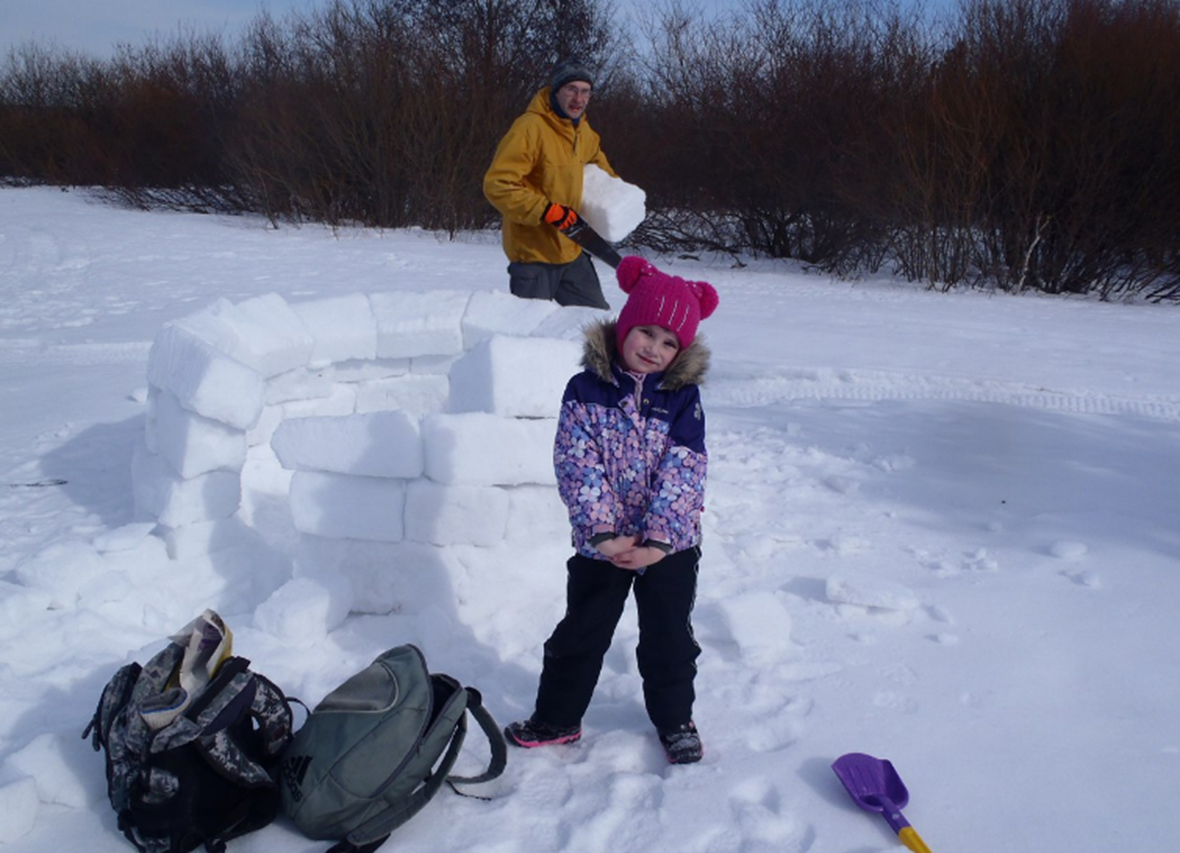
[
  {"x": 347, "y": 847},
  {"x": 234, "y": 686},
  {"x": 496, "y": 742},
  {"x": 361, "y": 839},
  {"x": 237, "y": 690}
]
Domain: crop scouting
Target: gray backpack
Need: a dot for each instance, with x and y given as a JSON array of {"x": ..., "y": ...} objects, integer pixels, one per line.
[{"x": 365, "y": 760}]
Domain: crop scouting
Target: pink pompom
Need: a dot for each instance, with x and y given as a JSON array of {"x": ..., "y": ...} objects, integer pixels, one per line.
[
  {"x": 630, "y": 270},
  {"x": 707, "y": 295}
]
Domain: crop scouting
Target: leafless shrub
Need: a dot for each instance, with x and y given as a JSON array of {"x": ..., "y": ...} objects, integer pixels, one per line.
[{"x": 1025, "y": 144}]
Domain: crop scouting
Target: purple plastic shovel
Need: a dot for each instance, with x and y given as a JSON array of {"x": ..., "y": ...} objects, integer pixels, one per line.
[{"x": 875, "y": 786}]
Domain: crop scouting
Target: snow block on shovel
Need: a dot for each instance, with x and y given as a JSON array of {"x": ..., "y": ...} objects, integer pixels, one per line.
[{"x": 613, "y": 207}]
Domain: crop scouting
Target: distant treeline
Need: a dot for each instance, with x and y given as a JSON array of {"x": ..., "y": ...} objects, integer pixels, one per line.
[{"x": 1018, "y": 144}]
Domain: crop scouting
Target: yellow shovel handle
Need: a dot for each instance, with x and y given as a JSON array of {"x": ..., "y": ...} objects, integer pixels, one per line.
[{"x": 910, "y": 838}]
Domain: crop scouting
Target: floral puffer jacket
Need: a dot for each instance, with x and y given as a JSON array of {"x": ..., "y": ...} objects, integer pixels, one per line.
[{"x": 630, "y": 452}]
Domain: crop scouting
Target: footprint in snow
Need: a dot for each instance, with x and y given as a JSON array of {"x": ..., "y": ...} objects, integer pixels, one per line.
[
  {"x": 1068, "y": 550},
  {"x": 757, "y": 809},
  {"x": 1086, "y": 578}
]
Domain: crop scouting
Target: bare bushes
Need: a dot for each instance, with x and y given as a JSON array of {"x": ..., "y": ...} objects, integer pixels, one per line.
[
  {"x": 1031, "y": 145},
  {"x": 1026, "y": 144},
  {"x": 1040, "y": 152},
  {"x": 766, "y": 126},
  {"x": 386, "y": 112},
  {"x": 383, "y": 112}
]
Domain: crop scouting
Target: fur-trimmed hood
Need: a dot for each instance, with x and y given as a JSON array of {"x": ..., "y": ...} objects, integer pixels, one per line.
[{"x": 600, "y": 351}]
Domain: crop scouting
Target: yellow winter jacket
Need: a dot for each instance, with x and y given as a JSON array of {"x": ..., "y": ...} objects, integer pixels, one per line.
[{"x": 539, "y": 160}]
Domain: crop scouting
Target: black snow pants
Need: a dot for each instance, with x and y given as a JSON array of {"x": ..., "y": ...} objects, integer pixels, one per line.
[{"x": 596, "y": 593}]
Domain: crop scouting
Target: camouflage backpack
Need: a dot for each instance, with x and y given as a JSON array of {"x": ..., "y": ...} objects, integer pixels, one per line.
[{"x": 191, "y": 740}]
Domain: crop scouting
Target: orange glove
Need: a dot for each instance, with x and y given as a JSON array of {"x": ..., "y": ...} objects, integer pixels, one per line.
[{"x": 560, "y": 216}]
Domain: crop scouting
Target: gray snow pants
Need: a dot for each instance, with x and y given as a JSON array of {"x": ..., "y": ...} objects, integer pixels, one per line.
[{"x": 575, "y": 283}]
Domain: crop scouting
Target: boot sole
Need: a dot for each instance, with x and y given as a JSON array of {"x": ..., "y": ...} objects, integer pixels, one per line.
[{"x": 531, "y": 744}]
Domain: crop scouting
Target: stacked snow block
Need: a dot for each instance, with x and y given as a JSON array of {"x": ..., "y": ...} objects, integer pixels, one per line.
[{"x": 399, "y": 419}]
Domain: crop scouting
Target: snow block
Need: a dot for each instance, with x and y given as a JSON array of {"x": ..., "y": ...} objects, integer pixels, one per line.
[
  {"x": 569, "y": 324},
  {"x": 433, "y": 365},
  {"x": 760, "y": 625},
  {"x": 160, "y": 493},
  {"x": 384, "y": 576},
  {"x": 484, "y": 450},
  {"x": 126, "y": 538},
  {"x": 303, "y": 611},
  {"x": 355, "y": 370},
  {"x": 613, "y": 207},
  {"x": 514, "y": 377},
  {"x": 379, "y": 444},
  {"x": 415, "y": 324},
  {"x": 302, "y": 383},
  {"x": 340, "y": 506},
  {"x": 197, "y": 540},
  {"x": 455, "y": 515},
  {"x": 149, "y": 418},
  {"x": 205, "y": 380},
  {"x": 262, "y": 431},
  {"x": 342, "y": 328},
  {"x": 413, "y": 394},
  {"x": 342, "y": 402},
  {"x": 195, "y": 445},
  {"x": 262, "y": 333},
  {"x": 536, "y": 513},
  {"x": 278, "y": 338},
  {"x": 491, "y": 313}
]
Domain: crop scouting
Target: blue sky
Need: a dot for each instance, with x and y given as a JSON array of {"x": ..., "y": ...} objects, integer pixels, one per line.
[{"x": 94, "y": 26}]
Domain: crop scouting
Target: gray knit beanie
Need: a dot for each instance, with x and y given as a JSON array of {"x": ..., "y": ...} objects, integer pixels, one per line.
[{"x": 567, "y": 70}]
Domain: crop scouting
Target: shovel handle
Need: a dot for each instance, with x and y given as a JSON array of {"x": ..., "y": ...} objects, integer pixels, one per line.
[
  {"x": 910, "y": 838},
  {"x": 897, "y": 822},
  {"x": 891, "y": 813}
]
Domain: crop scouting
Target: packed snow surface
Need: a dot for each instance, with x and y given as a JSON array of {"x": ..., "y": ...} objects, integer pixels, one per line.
[{"x": 940, "y": 529}]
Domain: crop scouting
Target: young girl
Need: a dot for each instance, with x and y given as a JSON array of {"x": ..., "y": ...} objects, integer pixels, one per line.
[{"x": 630, "y": 462}]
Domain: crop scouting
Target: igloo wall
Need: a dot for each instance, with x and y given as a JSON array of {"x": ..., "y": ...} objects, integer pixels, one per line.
[{"x": 394, "y": 420}]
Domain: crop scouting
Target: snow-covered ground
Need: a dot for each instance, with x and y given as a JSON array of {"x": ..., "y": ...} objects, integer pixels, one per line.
[{"x": 941, "y": 529}]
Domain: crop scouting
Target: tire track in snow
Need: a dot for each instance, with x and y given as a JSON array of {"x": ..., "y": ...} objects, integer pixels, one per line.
[{"x": 742, "y": 390}]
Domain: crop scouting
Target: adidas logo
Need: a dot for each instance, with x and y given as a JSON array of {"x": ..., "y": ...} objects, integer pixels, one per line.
[{"x": 294, "y": 770}]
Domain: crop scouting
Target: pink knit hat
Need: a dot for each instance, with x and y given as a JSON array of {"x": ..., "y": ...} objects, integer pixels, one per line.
[{"x": 658, "y": 299}]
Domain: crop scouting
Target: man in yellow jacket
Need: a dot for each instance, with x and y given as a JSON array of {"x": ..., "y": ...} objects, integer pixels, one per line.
[{"x": 535, "y": 181}]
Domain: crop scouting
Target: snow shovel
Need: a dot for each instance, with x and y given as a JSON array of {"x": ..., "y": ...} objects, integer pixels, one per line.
[
  {"x": 593, "y": 242},
  {"x": 876, "y": 787}
]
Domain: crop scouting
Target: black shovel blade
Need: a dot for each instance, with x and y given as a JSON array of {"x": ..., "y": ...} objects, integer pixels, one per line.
[
  {"x": 872, "y": 782},
  {"x": 590, "y": 240}
]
